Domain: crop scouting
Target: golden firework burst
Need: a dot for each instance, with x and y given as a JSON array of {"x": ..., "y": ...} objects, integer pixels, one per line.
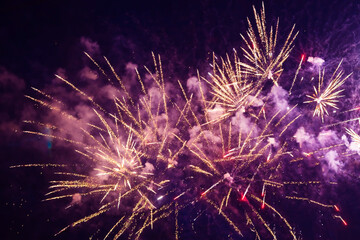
[
  {"x": 329, "y": 96},
  {"x": 262, "y": 51}
]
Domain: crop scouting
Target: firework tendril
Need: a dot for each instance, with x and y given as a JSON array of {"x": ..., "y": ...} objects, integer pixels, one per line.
[{"x": 158, "y": 154}]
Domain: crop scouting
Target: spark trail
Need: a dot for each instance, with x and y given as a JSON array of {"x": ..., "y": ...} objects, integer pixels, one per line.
[{"x": 156, "y": 154}]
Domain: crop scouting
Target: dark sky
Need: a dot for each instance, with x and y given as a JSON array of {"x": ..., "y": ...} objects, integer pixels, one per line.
[{"x": 37, "y": 37}]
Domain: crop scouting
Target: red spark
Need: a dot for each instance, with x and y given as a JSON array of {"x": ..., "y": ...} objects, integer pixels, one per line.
[
  {"x": 263, "y": 200},
  {"x": 307, "y": 154},
  {"x": 227, "y": 154},
  {"x": 344, "y": 222},
  {"x": 336, "y": 208},
  {"x": 243, "y": 197}
]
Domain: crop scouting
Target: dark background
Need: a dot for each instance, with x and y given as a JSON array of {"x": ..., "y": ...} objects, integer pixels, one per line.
[{"x": 39, "y": 37}]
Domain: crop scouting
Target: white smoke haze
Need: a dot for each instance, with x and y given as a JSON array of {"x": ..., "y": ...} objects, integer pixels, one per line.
[
  {"x": 90, "y": 46},
  {"x": 131, "y": 67},
  {"x": 316, "y": 62},
  {"x": 9, "y": 81},
  {"x": 81, "y": 112},
  {"x": 156, "y": 96},
  {"x": 88, "y": 74},
  {"x": 162, "y": 134},
  {"x": 273, "y": 142},
  {"x": 130, "y": 77},
  {"x": 134, "y": 43},
  {"x": 240, "y": 121},
  {"x": 354, "y": 146},
  {"x": 333, "y": 162},
  {"x": 210, "y": 135},
  {"x": 76, "y": 199},
  {"x": 216, "y": 112},
  {"x": 172, "y": 162},
  {"x": 85, "y": 113},
  {"x": 345, "y": 140},
  {"x": 327, "y": 137},
  {"x": 79, "y": 107},
  {"x": 109, "y": 92},
  {"x": 194, "y": 131},
  {"x": 62, "y": 73},
  {"x": 174, "y": 93},
  {"x": 199, "y": 141},
  {"x": 228, "y": 177},
  {"x": 243, "y": 124},
  {"x": 255, "y": 102},
  {"x": 148, "y": 168},
  {"x": 279, "y": 96},
  {"x": 302, "y": 137},
  {"x": 193, "y": 86}
]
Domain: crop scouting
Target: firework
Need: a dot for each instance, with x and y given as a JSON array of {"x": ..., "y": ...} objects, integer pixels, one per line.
[
  {"x": 243, "y": 164},
  {"x": 159, "y": 154},
  {"x": 231, "y": 88},
  {"x": 242, "y": 168},
  {"x": 354, "y": 136},
  {"x": 329, "y": 96},
  {"x": 124, "y": 169},
  {"x": 264, "y": 56}
]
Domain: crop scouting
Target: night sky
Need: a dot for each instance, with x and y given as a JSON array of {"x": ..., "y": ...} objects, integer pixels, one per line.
[{"x": 40, "y": 38}]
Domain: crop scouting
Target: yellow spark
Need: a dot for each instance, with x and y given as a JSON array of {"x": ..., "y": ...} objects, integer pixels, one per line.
[
  {"x": 329, "y": 96},
  {"x": 310, "y": 201},
  {"x": 265, "y": 58},
  {"x": 225, "y": 216},
  {"x": 230, "y": 88},
  {"x": 354, "y": 136}
]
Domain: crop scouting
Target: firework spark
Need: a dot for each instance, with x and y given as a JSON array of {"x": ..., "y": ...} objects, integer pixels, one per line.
[
  {"x": 238, "y": 165},
  {"x": 231, "y": 88},
  {"x": 354, "y": 137},
  {"x": 228, "y": 147},
  {"x": 330, "y": 95},
  {"x": 265, "y": 60},
  {"x": 122, "y": 167}
]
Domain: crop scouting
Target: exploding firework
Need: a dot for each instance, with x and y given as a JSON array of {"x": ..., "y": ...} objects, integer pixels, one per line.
[
  {"x": 129, "y": 153},
  {"x": 329, "y": 96},
  {"x": 228, "y": 153},
  {"x": 265, "y": 58}
]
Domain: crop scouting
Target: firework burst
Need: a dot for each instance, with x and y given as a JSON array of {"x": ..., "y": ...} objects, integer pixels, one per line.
[
  {"x": 231, "y": 88},
  {"x": 128, "y": 151},
  {"x": 265, "y": 60},
  {"x": 244, "y": 163},
  {"x": 329, "y": 96},
  {"x": 241, "y": 169},
  {"x": 159, "y": 153}
]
